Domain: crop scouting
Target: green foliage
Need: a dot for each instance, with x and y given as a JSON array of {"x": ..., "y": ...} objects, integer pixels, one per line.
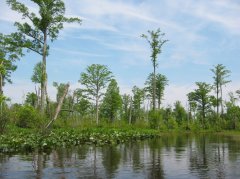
[
  {"x": 95, "y": 80},
  {"x": 27, "y": 140},
  {"x": 162, "y": 119},
  {"x": 172, "y": 123},
  {"x": 6, "y": 68},
  {"x": 179, "y": 113},
  {"x": 201, "y": 97},
  {"x": 220, "y": 75},
  {"x": 8, "y": 55},
  {"x": 195, "y": 126},
  {"x": 156, "y": 41},
  {"x": 4, "y": 118},
  {"x": 28, "y": 117},
  {"x": 138, "y": 99},
  {"x": 34, "y": 35},
  {"x": 67, "y": 105},
  {"x": 233, "y": 116},
  {"x": 82, "y": 104},
  {"x": 49, "y": 19},
  {"x": 126, "y": 107},
  {"x": 112, "y": 102},
  {"x": 60, "y": 90},
  {"x": 37, "y": 73},
  {"x": 31, "y": 99},
  {"x": 154, "y": 118},
  {"x": 161, "y": 82}
]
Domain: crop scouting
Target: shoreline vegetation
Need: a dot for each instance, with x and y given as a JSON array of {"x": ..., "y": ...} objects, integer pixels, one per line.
[
  {"x": 29, "y": 140},
  {"x": 97, "y": 112},
  {"x": 20, "y": 140}
]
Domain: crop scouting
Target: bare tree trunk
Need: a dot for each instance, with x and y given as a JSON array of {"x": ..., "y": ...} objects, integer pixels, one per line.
[
  {"x": 130, "y": 112},
  {"x": 44, "y": 75},
  {"x": 154, "y": 86},
  {"x": 221, "y": 100},
  {"x": 47, "y": 101},
  {"x": 59, "y": 106},
  {"x": 159, "y": 102},
  {"x": 217, "y": 99},
  {"x": 36, "y": 92},
  {"x": 97, "y": 101},
  {"x": 72, "y": 104},
  {"x": 147, "y": 109}
]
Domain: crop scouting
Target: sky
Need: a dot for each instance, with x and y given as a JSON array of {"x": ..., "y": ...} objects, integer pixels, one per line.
[{"x": 201, "y": 35}]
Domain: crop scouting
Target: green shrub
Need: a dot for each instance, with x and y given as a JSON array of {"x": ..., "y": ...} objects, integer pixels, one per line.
[
  {"x": 154, "y": 119},
  {"x": 172, "y": 123},
  {"x": 195, "y": 126},
  {"x": 29, "y": 117}
]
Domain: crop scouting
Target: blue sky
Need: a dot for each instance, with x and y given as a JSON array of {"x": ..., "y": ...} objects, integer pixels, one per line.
[{"x": 201, "y": 34}]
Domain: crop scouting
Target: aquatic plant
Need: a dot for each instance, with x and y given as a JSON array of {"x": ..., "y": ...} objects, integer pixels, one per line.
[{"x": 28, "y": 141}]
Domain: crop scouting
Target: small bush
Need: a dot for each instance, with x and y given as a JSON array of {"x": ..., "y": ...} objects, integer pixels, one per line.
[
  {"x": 28, "y": 117},
  {"x": 195, "y": 126},
  {"x": 172, "y": 123}
]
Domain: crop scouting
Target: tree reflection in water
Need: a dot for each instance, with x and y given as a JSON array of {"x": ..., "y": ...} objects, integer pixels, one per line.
[{"x": 170, "y": 156}]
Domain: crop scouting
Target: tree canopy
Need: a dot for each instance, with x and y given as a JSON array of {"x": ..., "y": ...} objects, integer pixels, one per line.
[
  {"x": 34, "y": 35},
  {"x": 95, "y": 80}
]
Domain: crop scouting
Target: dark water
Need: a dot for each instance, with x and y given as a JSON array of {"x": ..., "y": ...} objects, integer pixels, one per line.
[{"x": 175, "y": 156}]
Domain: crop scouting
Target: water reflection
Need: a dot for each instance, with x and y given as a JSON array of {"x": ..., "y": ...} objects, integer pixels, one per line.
[{"x": 171, "y": 156}]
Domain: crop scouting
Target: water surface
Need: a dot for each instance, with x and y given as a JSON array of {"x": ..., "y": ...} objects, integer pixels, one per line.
[{"x": 170, "y": 156}]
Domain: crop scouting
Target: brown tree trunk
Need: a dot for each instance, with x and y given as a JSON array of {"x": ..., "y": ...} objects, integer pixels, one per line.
[{"x": 59, "y": 106}]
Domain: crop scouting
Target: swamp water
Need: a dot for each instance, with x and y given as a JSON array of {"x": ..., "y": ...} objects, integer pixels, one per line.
[{"x": 170, "y": 156}]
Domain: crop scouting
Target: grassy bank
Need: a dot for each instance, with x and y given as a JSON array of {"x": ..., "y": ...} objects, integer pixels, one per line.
[{"x": 27, "y": 140}]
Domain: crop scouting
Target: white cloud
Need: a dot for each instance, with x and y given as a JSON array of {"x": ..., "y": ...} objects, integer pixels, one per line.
[
  {"x": 19, "y": 89},
  {"x": 76, "y": 52},
  {"x": 221, "y": 12},
  {"x": 126, "y": 46},
  {"x": 108, "y": 8},
  {"x": 89, "y": 24},
  {"x": 174, "y": 92},
  {"x": 177, "y": 92},
  {"x": 117, "y": 25}
]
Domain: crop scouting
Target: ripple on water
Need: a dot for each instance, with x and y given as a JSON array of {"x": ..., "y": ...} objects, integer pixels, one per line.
[{"x": 167, "y": 157}]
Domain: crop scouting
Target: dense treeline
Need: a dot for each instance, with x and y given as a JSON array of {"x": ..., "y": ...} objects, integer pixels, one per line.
[
  {"x": 103, "y": 95},
  {"x": 99, "y": 102}
]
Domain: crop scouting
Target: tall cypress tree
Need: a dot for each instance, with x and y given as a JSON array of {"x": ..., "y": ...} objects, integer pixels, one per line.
[
  {"x": 156, "y": 41},
  {"x": 43, "y": 26}
]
